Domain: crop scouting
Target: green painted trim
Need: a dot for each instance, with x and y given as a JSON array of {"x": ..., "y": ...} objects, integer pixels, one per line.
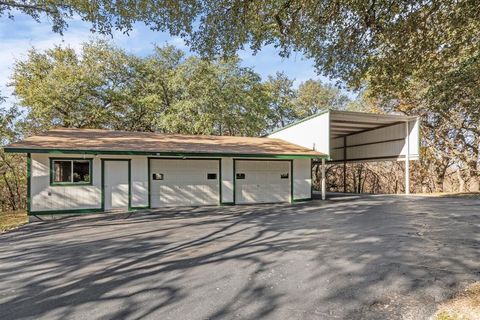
[
  {"x": 291, "y": 181},
  {"x": 165, "y": 154},
  {"x": 129, "y": 184},
  {"x": 235, "y": 175},
  {"x": 299, "y": 121},
  {"x": 103, "y": 186},
  {"x": 66, "y": 211},
  {"x": 170, "y": 158},
  {"x": 234, "y": 182},
  {"x": 29, "y": 183},
  {"x": 311, "y": 178},
  {"x": 228, "y": 203},
  {"x": 220, "y": 181},
  {"x": 71, "y": 184},
  {"x": 302, "y": 200},
  {"x": 139, "y": 208},
  {"x": 149, "y": 183},
  {"x": 329, "y": 135},
  {"x": 129, "y": 181}
]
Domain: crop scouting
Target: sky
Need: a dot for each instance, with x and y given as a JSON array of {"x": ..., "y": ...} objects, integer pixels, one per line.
[{"x": 19, "y": 35}]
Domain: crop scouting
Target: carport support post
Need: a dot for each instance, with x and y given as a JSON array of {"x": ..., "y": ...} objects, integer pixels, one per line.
[
  {"x": 323, "y": 178},
  {"x": 407, "y": 159},
  {"x": 345, "y": 164}
]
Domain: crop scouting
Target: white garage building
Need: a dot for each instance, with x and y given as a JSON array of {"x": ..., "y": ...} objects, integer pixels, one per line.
[{"x": 88, "y": 170}]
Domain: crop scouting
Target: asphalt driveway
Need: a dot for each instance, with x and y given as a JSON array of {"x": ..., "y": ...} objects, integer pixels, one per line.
[{"x": 381, "y": 257}]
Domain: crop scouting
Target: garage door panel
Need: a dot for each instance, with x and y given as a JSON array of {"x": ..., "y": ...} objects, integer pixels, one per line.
[
  {"x": 263, "y": 181},
  {"x": 184, "y": 182}
]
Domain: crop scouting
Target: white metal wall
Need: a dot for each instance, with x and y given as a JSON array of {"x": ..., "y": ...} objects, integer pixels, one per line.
[
  {"x": 364, "y": 145},
  {"x": 46, "y": 197},
  {"x": 414, "y": 136},
  {"x": 313, "y": 133},
  {"x": 302, "y": 179}
]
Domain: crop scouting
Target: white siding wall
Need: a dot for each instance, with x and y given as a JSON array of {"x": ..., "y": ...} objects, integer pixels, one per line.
[
  {"x": 46, "y": 197},
  {"x": 227, "y": 180},
  {"x": 302, "y": 182},
  {"x": 313, "y": 133},
  {"x": 139, "y": 181}
]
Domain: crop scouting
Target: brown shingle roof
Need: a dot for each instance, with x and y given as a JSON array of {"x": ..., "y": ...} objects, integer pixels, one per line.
[{"x": 91, "y": 140}]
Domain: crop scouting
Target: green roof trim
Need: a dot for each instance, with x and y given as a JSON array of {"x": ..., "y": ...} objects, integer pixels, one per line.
[
  {"x": 169, "y": 154},
  {"x": 299, "y": 121}
]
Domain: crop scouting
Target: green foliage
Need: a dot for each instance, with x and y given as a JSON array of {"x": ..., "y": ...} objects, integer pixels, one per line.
[
  {"x": 218, "y": 97},
  {"x": 61, "y": 88},
  {"x": 313, "y": 96},
  {"x": 104, "y": 87},
  {"x": 12, "y": 173},
  {"x": 282, "y": 100},
  {"x": 383, "y": 41}
]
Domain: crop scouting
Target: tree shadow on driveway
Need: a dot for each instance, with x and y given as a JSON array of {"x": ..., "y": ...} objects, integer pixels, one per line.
[{"x": 367, "y": 258}]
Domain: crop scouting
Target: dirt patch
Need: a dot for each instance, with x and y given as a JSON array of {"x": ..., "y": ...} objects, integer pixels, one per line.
[
  {"x": 464, "y": 306},
  {"x": 469, "y": 195},
  {"x": 12, "y": 219}
]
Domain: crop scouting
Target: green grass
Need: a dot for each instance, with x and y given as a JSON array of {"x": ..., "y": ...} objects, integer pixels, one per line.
[{"x": 12, "y": 219}]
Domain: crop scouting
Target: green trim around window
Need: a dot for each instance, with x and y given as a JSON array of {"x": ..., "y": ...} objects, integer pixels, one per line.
[
  {"x": 71, "y": 184},
  {"x": 163, "y": 154}
]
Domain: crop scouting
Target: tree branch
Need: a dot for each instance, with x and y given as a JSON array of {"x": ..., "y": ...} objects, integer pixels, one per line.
[{"x": 32, "y": 7}]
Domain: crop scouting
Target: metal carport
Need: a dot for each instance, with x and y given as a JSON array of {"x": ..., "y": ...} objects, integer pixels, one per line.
[{"x": 347, "y": 136}]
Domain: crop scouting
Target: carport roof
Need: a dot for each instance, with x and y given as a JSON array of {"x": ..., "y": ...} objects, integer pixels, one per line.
[
  {"x": 96, "y": 141},
  {"x": 345, "y": 123}
]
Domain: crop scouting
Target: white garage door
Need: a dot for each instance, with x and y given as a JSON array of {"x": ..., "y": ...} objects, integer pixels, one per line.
[
  {"x": 262, "y": 181},
  {"x": 178, "y": 182}
]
